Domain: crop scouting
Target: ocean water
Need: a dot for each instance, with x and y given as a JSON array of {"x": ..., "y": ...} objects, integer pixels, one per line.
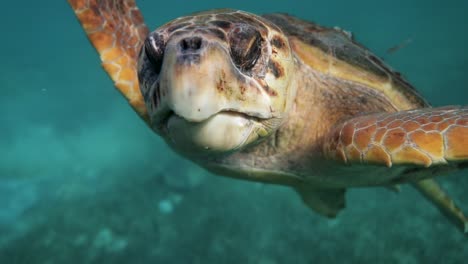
[{"x": 83, "y": 180}]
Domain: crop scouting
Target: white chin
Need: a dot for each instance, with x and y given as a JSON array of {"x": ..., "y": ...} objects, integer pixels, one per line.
[{"x": 222, "y": 132}]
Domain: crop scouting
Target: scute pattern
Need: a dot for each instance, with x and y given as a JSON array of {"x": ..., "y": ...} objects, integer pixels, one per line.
[
  {"x": 424, "y": 137},
  {"x": 333, "y": 51},
  {"x": 117, "y": 31}
]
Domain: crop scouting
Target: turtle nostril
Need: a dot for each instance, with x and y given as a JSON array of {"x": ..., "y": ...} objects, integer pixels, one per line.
[{"x": 191, "y": 44}]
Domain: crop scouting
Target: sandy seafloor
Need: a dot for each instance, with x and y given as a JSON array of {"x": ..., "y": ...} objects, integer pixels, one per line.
[{"x": 83, "y": 180}]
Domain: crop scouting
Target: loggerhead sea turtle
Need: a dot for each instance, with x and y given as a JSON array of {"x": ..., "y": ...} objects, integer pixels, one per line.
[{"x": 277, "y": 99}]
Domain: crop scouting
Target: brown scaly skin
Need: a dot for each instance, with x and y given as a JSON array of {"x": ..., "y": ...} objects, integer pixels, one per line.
[{"x": 279, "y": 100}]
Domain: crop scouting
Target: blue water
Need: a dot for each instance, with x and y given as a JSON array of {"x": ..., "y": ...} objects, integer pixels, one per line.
[{"x": 83, "y": 180}]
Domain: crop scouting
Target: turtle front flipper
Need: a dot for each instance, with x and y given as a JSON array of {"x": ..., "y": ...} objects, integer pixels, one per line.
[
  {"x": 117, "y": 31},
  {"x": 424, "y": 137},
  {"x": 429, "y": 142}
]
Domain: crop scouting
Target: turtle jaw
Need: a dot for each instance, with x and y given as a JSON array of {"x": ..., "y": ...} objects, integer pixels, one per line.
[{"x": 222, "y": 133}]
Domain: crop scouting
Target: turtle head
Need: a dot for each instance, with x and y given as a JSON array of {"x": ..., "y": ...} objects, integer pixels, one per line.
[{"x": 216, "y": 82}]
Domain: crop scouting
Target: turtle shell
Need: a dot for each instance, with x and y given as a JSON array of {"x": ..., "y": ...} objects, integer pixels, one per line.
[{"x": 333, "y": 51}]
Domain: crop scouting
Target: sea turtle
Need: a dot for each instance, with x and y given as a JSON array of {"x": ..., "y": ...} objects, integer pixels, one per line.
[{"x": 277, "y": 99}]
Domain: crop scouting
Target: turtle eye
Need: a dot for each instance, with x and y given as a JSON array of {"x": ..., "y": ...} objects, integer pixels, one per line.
[
  {"x": 246, "y": 47},
  {"x": 154, "y": 48}
]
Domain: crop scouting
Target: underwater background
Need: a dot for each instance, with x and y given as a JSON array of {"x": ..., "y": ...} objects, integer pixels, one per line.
[{"x": 83, "y": 180}]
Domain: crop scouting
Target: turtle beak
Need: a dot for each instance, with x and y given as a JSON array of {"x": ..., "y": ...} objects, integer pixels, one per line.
[
  {"x": 198, "y": 80},
  {"x": 189, "y": 79}
]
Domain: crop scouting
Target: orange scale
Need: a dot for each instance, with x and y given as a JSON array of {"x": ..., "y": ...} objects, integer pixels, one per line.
[
  {"x": 436, "y": 119},
  {"x": 410, "y": 126},
  {"x": 121, "y": 36},
  {"x": 347, "y": 133},
  {"x": 136, "y": 17},
  {"x": 394, "y": 139},
  {"x": 409, "y": 155},
  {"x": 432, "y": 143},
  {"x": 352, "y": 154},
  {"x": 457, "y": 143},
  {"x": 462, "y": 121},
  {"x": 101, "y": 40},
  {"x": 142, "y": 31},
  {"x": 90, "y": 21},
  {"x": 111, "y": 54},
  {"x": 126, "y": 89},
  {"x": 362, "y": 138},
  {"x": 421, "y": 120},
  {"x": 123, "y": 60},
  {"x": 443, "y": 126},
  {"x": 448, "y": 116},
  {"x": 395, "y": 124},
  {"x": 78, "y": 4},
  {"x": 94, "y": 3},
  {"x": 379, "y": 134},
  {"x": 385, "y": 121},
  {"x": 128, "y": 20},
  {"x": 366, "y": 122},
  {"x": 133, "y": 40},
  {"x": 112, "y": 68},
  {"x": 377, "y": 155},
  {"x": 429, "y": 126},
  {"x": 128, "y": 74}
]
